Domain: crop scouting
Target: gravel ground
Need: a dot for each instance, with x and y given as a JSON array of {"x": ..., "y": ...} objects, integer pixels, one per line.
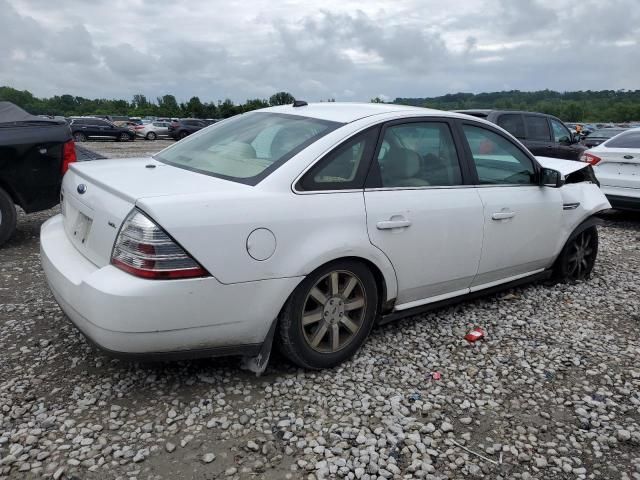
[
  {"x": 138, "y": 148},
  {"x": 552, "y": 392}
]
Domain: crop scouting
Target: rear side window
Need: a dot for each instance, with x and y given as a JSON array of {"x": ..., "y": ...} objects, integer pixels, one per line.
[
  {"x": 625, "y": 140},
  {"x": 513, "y": 123},
  {"x": 418, "y": 154},
  {"x": 345, "y": 168},
  {"x": 537, "y": 128},
  {"x": 497, "y": 160}
]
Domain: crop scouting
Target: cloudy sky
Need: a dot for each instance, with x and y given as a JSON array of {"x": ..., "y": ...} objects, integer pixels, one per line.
[{"x": 343, "y": 49}]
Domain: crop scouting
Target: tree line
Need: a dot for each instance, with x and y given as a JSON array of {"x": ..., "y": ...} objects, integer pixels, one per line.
[
  {"x": 581, "y": 106},
  {"x": 139, "y": 106},
  {"x": 584, "y": 106}
]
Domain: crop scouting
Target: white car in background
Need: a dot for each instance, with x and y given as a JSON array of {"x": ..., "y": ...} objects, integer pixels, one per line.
[
  {"x": 153, "y": 130},
  {"x": 307, "y": 224},
  {"x": 616, "y": 163}
]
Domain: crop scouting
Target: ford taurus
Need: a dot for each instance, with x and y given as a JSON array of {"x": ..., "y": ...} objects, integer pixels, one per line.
[{"x": 307, "y": 224}]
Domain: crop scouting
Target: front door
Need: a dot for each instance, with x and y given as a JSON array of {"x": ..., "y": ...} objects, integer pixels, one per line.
[
  {"x": 421, "y": 213},
  {"x": 522, "y": 220}
]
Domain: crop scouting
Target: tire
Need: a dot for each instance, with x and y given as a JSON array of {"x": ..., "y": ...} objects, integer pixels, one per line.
[
  {"x": 338, "y": 315},
  {"x": 124, "y": 137},
  {"x": 182, "y": 134},
  {"x": 79, "y": 137},
  {"x": 151, "y": 136},
  {"x": 578, "y": 257},
  {"x": 8, "y": 216}
]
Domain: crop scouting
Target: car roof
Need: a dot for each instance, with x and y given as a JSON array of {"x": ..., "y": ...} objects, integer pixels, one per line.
[{"x": 345, "y": 112}]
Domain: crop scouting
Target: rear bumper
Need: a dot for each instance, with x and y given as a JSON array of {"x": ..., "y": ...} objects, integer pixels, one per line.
[
  {"x": 134, "y": 317},
  {"x": 623, "y": 198}
]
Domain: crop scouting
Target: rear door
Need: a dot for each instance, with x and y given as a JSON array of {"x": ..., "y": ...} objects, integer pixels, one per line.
[
  {"x": 421, "y": 211},
  {"x": 619, "y": 164},
  {"x": 538, "y": 139},
  {"x": 522, "y": 220}
]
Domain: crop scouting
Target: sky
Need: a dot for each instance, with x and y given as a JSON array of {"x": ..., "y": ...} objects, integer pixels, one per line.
[{"x": 343, "y": 49}]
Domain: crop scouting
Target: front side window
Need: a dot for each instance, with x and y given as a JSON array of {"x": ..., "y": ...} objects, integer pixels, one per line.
[
  {"x": 248, "y": 147},
  {"x": 537, "y": 128},
  {"x": 418, "y": 154},
  {"x": 498, "y": 161},
  {"x": 560, "y": 132},
  {"x": 512, "y": 123},
  {"x": 345, "y": 167},
  {"x": 625, "y": 140}
]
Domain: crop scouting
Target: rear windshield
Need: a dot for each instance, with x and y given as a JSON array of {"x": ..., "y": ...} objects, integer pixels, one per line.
[
  {"x": 248, "y": 147},
  {"x": 625, "y": 140}
]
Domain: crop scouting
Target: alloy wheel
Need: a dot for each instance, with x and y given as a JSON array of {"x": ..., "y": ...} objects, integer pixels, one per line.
[
  {"x": 581, "y": 255},
  {"x": 334, "y": 311}
]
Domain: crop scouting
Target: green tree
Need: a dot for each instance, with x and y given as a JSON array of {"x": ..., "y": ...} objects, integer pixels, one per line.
[
  {"x": 281, "y": 98},
  {"x": 194, "y": 108},
  {"x": 168, "y": 106}
]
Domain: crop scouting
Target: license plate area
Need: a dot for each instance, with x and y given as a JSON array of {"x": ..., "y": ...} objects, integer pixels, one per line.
[{"x": 81, "y": 228}]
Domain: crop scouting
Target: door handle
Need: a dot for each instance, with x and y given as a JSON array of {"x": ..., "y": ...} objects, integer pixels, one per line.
[
  {"x": 503, "y": 215},
  {"x": 389, "y": 224}
]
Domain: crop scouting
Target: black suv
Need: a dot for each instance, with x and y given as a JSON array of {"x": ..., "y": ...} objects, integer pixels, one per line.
[
  {"x": 544, "y": 135},
  {"x": 84, "y": 128},
  {"x": 185, "y": 126}
]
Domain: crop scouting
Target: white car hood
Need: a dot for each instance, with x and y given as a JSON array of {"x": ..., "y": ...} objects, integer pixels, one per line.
[{"x": 565, "y": 167}]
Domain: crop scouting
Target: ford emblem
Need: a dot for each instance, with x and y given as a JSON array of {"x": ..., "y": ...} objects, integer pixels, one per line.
[{"x": 82, "y": 188}]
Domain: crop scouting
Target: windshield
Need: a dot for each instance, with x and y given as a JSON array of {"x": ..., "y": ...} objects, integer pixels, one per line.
[{"x": 246, "y": 148}]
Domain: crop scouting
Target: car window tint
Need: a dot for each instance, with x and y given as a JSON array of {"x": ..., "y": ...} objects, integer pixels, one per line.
[
  {"x": 418, "y": 154},
  {"x": 497, "y": 160},
  {"x": 537, "y": 128},
  {"x": 513, "y": 124},
  {"x": 79, "y": 121},
  {"x": 560, "y": 132},
  {"x": 158, "y": 124},
  {"x": 100, "y": 123},
  {"x": 625, "y": 140},
  {"x": 345, "y": 167}
]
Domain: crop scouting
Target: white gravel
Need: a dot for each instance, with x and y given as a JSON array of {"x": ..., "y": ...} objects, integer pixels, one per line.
[{"x": 552, "y": 392}]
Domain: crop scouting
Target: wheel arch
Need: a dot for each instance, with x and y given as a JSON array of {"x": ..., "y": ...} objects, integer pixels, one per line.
[
  {"x": 590, "y": 222},
  {"x": 379, "y": 265},
  {"x": 13, "y": 194}
]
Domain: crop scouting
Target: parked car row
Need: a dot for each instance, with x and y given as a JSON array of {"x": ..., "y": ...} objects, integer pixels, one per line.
[{"x": 89, "y": 128}]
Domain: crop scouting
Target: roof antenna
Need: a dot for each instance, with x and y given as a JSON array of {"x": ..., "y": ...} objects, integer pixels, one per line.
[{"x": 299, "y": 103}]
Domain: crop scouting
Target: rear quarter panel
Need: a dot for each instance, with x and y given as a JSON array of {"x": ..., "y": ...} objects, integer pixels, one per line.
[{"x": 310, "y": 230}]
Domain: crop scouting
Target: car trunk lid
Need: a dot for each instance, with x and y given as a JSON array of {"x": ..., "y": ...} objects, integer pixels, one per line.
[
  {"x": 98, "y": 195},
  {"x": 618, "y": 167}
]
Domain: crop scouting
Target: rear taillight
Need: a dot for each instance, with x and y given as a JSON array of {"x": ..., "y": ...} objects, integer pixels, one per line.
[
  {"x": 68, "y": 156},
  {"x": 145, "y": 250},
  {"x": 139, "y": 127},
  {"x": 590, "y": 158}
]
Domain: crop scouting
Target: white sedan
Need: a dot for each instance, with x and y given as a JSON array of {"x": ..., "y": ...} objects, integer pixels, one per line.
[
  {"x": 616, "y": 163},
  {"x": 307, "y": 224}
]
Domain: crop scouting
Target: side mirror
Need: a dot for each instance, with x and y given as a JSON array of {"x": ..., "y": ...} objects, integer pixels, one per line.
[
  {"x": 566, "y": 140},
  {"x": 551, "y": 178}
]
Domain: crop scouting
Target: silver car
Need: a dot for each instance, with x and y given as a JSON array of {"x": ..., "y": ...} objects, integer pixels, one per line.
[{"x": 153, "y": 130}]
